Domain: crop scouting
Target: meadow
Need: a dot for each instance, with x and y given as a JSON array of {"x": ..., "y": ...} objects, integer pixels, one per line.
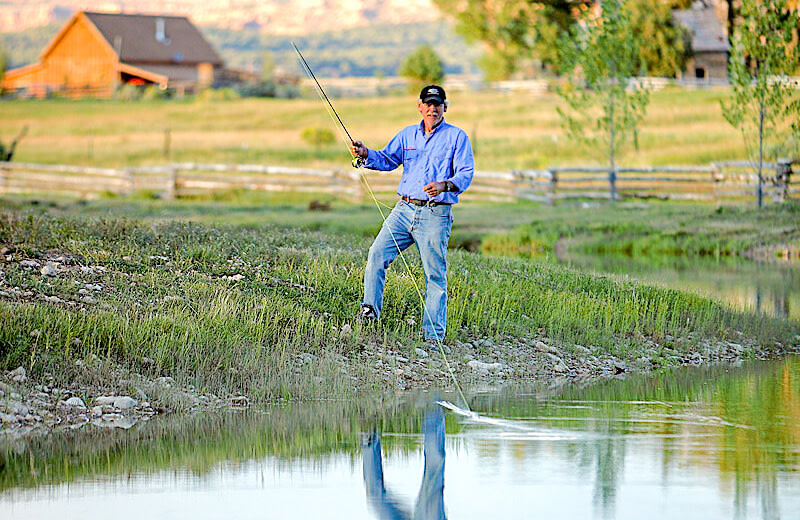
[{"x": 508, "y": 130}]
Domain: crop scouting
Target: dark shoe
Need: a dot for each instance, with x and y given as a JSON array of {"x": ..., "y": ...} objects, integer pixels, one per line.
[{"x": 367, "y": 314}]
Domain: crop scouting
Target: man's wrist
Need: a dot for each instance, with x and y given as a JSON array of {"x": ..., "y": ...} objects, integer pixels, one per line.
[{"x": 449, "y": 186}]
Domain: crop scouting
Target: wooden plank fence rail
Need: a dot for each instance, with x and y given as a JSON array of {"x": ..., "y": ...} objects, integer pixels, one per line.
[{"x": 728, "y": 180}]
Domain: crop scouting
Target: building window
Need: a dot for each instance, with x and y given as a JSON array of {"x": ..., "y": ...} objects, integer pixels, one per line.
[{"x": 700, "y": 73}]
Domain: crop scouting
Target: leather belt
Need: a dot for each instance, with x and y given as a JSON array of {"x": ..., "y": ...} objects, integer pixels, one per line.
[{"x": 420, "y": 202}]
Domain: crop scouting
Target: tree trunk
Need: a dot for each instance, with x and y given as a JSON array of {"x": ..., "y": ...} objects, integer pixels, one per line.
[{"x": 761, "y": 115}]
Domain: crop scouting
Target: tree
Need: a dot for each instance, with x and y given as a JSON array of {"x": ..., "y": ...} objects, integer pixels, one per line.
[
  {"x": 514, "y": 31},
  {"x": 267, "y": 66},
  {"x": 422, "y": 67},
  {"x": 603, "y": 105},
  {"x": 664, "y": 45},
  {"x": 765, "y": 105},
  {"x": 3, "y": 63}
]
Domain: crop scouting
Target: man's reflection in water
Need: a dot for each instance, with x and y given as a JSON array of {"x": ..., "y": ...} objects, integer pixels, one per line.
[{"x": 430, "y": 500}]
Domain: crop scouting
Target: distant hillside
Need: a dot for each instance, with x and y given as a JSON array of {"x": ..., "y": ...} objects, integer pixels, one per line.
[
  {"x": 377, "y": 49},
  {"x": 275, "y": 16}
]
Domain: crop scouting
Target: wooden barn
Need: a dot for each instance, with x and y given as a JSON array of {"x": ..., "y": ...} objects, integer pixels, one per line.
[
  {"x": 709, "y": 42},
  {"x": 94, "y": 53}
]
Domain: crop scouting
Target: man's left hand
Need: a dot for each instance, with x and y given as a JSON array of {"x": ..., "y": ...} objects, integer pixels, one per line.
[{"x": 435, "y": 188}]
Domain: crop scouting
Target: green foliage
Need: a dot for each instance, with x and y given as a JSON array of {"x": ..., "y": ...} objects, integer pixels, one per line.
[
  {"x": 765, "y": 105},
  {"x": 599, "y": 62},
  {"x": 218, "y": 94},
  {"x": 267, "y": 66},
  {"x": 513, "y": 32},
  {"x": 3, "y": 62},
  {"x": 664, "y": 45},
  {"x": 422, "y": 67},
  {"x": 318, "y": 136},
  {"x": 25, "y": 46},
  {"x": 362, "y": 53}
]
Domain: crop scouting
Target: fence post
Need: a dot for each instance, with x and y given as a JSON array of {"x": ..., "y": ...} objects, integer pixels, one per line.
[
  {"x": 551, "y": 189},
  {"x": 130, "y": 178},
  {"x": 172, "y": 183},
  {"x": 783, "y": 174},
  {"x": 612, "y": 183},
  {"x": 4, "y": 172},
  {"x": 167, "y": 142}
]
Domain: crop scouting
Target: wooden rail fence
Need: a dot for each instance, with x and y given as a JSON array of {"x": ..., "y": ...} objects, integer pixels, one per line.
[{"x": 719, "y": 181}]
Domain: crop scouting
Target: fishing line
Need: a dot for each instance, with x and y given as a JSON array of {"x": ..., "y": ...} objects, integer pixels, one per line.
[{"x": 358, "y": 162}]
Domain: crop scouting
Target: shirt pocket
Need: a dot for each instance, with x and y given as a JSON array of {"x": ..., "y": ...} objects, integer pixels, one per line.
[{"x": 410, "y": 156}]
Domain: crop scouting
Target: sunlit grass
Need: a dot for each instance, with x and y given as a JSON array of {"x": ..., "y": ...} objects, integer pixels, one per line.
[
  {"x": 168, "y": 296},
  {"x": 509, "y": 130}
]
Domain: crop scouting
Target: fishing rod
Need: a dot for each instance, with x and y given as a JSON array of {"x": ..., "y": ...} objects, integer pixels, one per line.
[{"x": 357, "y": 161}]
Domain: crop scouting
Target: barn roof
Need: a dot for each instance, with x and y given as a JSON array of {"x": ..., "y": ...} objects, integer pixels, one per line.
[
  {"x": 707, "y": 32},
  {"x": 136, "y": 38}
]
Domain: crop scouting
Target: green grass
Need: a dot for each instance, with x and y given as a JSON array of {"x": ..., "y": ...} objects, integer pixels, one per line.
[
  {"x": 167, "y": 294},
  {"x": 513, "y": 130},
  {"x": 652, "y": 231}
]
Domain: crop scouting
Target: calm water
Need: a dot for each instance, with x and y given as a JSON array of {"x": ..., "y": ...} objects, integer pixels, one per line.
[
  {"x": 770, "y": 288},
  {"x": 702, "y": 444}
]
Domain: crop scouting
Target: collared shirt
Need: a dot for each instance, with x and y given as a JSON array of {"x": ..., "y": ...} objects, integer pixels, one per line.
[{"x": 443, "y": 155}]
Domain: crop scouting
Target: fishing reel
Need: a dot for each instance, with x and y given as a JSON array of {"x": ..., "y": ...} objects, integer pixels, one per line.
[{"x": 358, "y": 161}]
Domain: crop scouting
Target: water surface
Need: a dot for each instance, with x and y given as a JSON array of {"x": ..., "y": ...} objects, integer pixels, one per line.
[{"x": 697, "y": 443}]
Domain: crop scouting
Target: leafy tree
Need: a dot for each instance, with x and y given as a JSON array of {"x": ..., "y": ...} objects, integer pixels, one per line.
[
  {"x": 317, "y": 136},
  {"x": 422, "y": 67},
  {"x": 513, "y": 31},
  {"x": 3, "y": 63},
  {"x": 267, "y": 66},
  {"x": 599, "y": 61},
  {"x": 764, "y": 102},
  {"x": 664, "y": 45}
]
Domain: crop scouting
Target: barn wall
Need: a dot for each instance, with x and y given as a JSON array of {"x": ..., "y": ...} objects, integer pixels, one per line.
[{"x": 80, "y": 63}]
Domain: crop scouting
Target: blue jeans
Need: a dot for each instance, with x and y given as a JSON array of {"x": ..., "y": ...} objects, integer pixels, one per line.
[
  {"x": 429, "y": 228},
  {"x": 430, "y": 499}
]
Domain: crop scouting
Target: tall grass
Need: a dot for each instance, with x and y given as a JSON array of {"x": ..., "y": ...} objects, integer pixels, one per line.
[{"x": 232, "y": 308}]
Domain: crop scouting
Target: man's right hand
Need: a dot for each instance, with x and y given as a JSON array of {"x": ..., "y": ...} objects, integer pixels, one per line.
[{"x": 358, "y": 148}]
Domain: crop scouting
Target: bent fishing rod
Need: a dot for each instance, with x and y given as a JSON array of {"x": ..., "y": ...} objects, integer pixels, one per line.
[{"x": 357, "y": 161}]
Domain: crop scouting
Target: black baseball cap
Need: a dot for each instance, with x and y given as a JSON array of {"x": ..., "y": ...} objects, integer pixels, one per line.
[{"x": 433, "y": 94}]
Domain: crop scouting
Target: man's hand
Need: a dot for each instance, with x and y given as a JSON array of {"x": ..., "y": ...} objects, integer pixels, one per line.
[
  {"x": 435, "y": 188},
  {"x": 358, "y": 148}
]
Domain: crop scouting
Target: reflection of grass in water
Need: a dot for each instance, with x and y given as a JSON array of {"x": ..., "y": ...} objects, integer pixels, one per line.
[
  {"x": 199, "y": 443},
  {"x": 753, "y": 412}
]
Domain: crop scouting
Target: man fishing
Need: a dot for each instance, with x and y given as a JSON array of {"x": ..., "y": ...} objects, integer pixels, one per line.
[{"x": 437, "y": 167}]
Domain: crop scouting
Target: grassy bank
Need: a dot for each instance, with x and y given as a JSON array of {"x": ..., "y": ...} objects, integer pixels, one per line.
[
  {"x": 239, "y": 308},
  {"x": 655, "y": 231},
  {"x": 508, "y": 130}
]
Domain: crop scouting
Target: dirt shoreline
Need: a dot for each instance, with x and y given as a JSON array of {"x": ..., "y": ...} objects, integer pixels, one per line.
[{"x": 104, "y": 394}]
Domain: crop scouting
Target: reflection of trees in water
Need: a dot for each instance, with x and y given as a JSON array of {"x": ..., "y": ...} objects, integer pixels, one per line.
[{"x": 610, "y": 454}]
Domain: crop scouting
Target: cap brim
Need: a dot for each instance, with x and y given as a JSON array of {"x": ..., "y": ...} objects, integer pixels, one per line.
[{"x": 433, "y": 99}]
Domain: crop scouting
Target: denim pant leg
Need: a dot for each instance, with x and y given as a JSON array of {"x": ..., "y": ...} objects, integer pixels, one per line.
[
  {"x": 431, "y": 237},
  {"x": 396, "y": 228},
  {"x": 381, "y": 502},
  {"x": 430, "y": 500}
]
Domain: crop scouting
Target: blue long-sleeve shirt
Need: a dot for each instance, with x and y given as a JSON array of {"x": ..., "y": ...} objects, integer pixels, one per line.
[{"x": 443, "y": 155}]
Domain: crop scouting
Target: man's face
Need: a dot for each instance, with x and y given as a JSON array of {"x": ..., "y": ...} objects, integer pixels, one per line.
[{"x": 431, "y": 113}]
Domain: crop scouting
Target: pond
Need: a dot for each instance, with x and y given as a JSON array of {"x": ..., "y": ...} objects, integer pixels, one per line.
[
  {"x": 708, "y": 443},
  {"x": 766, "y": 287}
]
